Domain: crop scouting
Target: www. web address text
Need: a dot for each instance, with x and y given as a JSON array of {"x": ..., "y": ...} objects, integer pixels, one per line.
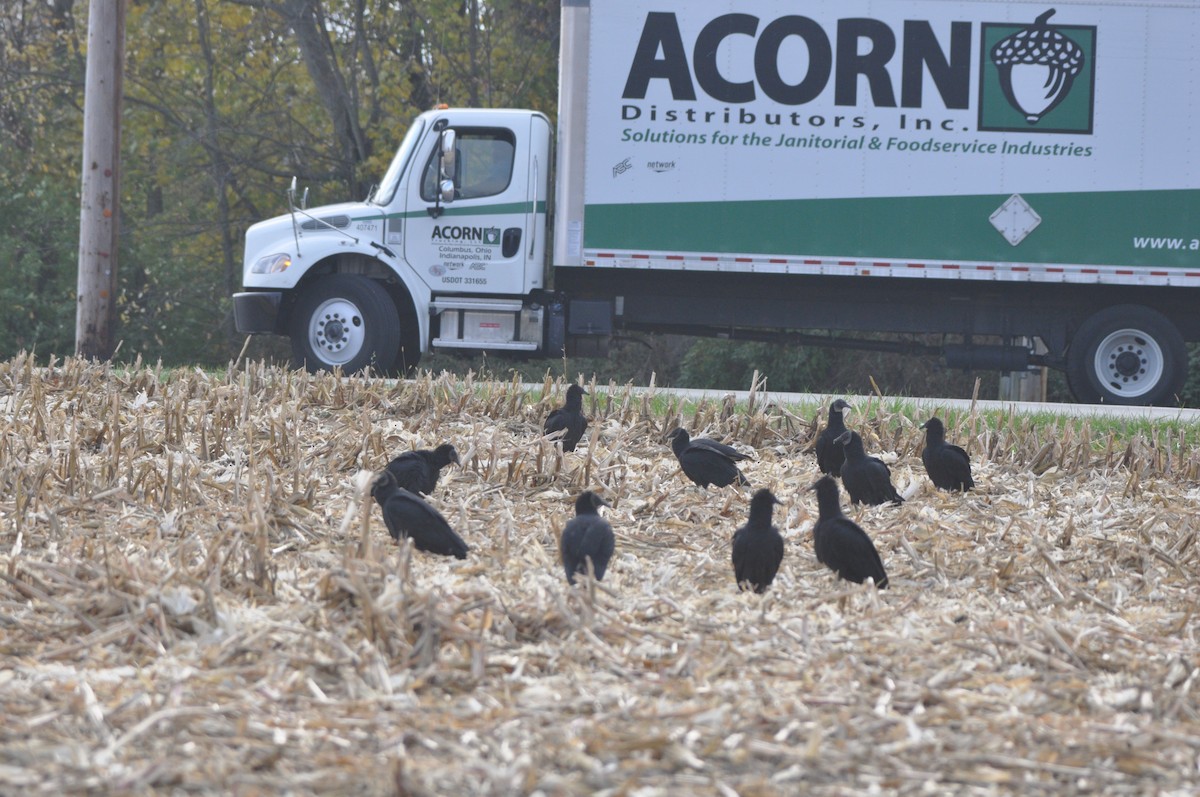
[{"x": 1147, "y": 242}]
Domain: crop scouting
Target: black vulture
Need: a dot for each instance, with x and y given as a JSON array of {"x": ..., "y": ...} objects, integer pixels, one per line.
[
  {"x": 568, "y": 418},
  {"x": 830, "y": 454},
  {"x": 418, "y": 471},
  {"x": 407, "y": 514},
  {"x": 706, "y": 461},
  {"x": 587, "y": 537},
  {"x": 868, "y": 480},
  {"x": 948, "y": 465},
  {"x": 840, "y": 544},
  {"x": 757, "y": 546}
]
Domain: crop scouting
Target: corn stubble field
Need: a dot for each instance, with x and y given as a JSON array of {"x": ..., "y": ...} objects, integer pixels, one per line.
[{"x": 196, "y": 596}]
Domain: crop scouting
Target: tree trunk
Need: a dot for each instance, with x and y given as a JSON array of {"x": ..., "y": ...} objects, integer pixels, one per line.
[
  {"x": 306, "y": 19},
  {"x": 219, "y": 166}
]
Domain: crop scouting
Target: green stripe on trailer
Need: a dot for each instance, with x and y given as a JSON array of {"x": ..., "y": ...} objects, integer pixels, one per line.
[{"x": 1120, "y": 228}]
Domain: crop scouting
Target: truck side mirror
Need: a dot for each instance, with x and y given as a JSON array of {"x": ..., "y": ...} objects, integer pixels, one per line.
[
  {"x": 449, "y": 142},
  {"x": 291, "y": 194},
  {"x": 446, "y": 155}
]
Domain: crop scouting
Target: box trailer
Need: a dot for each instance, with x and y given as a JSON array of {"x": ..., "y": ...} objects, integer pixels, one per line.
[{"x": 1016, "y": 172}]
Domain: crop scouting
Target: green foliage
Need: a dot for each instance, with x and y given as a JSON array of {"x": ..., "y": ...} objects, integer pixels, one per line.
[
  {"x": 629, "y": 361},
  {"x": 679, "y": 361},
  {"x": 1191, "y": 389},
  {"x": 167, "y": 308},
  {"x": 160, "y": 307},
  {"x": 894, "y": 374},
  {"x": 730, "y": 365},
  {"x": 39, "y": 241}
]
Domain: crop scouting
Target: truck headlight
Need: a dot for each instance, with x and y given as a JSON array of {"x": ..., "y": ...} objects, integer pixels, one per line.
[{"x": 271, "y": 264}]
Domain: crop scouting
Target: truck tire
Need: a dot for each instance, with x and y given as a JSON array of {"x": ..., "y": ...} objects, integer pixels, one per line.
[
  {"x": 408, "y": 353},
  {"x": 344, "y": 321},
  {"x": 1127, "y": 354}
]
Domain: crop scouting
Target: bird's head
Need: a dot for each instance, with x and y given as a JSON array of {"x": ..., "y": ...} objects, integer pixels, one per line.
[
  {"x": 445, "y": 454},
  {"x": 934, "y": 424},
  {"x": 382, "y": 482},
  {"x": 844, "y": 437},
  {"x": 574, "y": 400},
  {"x": 825, "y": 486},
  {"x": 588, "y": 501},
  {"x": 764, "y": 497},
  {"x": 840, "y": 406},
  {"x": 678, "y": 432}
]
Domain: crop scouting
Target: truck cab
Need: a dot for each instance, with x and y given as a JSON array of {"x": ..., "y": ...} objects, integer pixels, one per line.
[{"x": 448, "y": 252}]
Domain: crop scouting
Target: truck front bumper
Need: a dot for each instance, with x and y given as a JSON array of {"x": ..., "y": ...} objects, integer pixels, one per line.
[{"x": 256, "y": 311}]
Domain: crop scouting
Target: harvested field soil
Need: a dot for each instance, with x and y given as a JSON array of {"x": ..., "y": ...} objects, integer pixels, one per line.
[{"x": 197, "y": 597}]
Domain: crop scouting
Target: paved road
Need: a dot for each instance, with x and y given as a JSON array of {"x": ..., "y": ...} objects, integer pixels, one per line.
[{"x": 933, "y": 404}]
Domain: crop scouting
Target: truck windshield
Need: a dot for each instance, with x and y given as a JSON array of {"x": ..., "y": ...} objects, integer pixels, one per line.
[{"x": 391, "y": 179}]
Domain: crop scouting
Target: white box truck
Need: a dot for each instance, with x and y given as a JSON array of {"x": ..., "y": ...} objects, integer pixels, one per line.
[{"x": 1018, "y": 171}]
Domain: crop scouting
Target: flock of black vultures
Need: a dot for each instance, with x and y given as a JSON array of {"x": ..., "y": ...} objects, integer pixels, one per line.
[{"x": 588, "y": 542}]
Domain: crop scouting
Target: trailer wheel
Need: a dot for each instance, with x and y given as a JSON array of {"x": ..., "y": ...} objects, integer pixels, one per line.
[
  {"x": 344, "y": 321},
  {"x": 1127, "y": 354}
]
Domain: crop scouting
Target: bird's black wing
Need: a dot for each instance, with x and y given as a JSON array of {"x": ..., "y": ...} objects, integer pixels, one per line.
[
  {"x": 961, "y": 459},
  {"x": 929, "y": 459},
  {"x": 743, "y": 557},
  {"x": 830, "y": 455},
  {"x": 821, "y": 532},
  {"x": 962, "y": 467},
  {"x": 881, "y": 479},
  {"x": 878, "y": 464},
  {"x": 756, "y": 557},
  {"x": 772, "y": 556},
  {"x": 847, "y": 550},
  {"x": 861, "y": 559},
  {"x": 572, "y": 425},
  {"x": 411, "y": 516},
  {"x": 413, "y": 473},
  {"x": 949, "y": 467},
  {"x": 856, "y": 478},
  {"x": 556, "y": 421},
  {"x": 598, "y": 545},
  {"x": 576, "y": 425},
  {"x": 726, "y": 451},
  {"x": 568, "y": 547},
  {"x": 584, "y": 537},
  {"x": 705, "y": 466}
]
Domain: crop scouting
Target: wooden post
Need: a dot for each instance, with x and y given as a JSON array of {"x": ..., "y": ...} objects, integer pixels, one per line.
[{"x": 95, "y": 312}]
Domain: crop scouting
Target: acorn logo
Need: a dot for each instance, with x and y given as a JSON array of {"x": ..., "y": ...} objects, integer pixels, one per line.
[
  {"x": 1037, "y": 66},
  {"x": 1038, "y": 77}
]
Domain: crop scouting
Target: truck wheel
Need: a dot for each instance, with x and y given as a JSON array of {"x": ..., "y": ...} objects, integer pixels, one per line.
[
  {"x": 1127, "y": 354},
  {"x": 408, "y": 353},
  {"x": 344, "y": 321}
]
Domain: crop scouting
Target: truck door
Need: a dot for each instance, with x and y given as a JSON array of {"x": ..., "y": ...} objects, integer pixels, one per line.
[{"x": 486, "y": 238}]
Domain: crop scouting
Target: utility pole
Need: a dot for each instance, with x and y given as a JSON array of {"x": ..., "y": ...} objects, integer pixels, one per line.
[{"x": 96, "y": 309}]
